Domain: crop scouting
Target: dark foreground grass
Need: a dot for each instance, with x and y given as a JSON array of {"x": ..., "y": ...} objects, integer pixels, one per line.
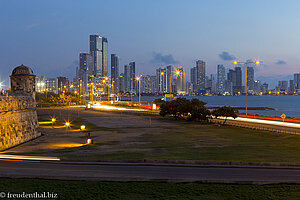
[{"x": 149, "y": 190}]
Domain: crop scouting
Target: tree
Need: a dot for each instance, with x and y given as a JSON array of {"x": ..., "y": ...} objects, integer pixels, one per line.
[
  {"x": 198, "y": 110},
  {"x": 158, "y": 102},
  {"x": 225, "y": 111},
  {"x": 187, "y": 109}
]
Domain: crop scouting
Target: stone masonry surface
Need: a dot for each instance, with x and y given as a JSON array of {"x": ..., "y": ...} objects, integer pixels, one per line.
[{"x": 18, "y": 120}]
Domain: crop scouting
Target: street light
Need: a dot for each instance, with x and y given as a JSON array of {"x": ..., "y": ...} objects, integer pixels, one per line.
[
  {"x": 82, "y": 127},
  {"x": 139, "y": 82},
  {"x": 67, "y": 124},
  {"x": 257, "y": 62},
  {"x": 105, "y": 85},
  {"x": 53, "y": 121}
]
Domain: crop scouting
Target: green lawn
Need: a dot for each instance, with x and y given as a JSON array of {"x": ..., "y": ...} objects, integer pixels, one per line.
[
  {"x": 75, "y": 123},
  {"x": 193, "y": 141},
  {"x": 149, "y": 190}
]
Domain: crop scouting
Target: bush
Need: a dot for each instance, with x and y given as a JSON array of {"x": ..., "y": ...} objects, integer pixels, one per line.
[
  {"x": 158, "y": 102},
  {"x": 185, "y": 109},
  {"x": 225, "y": 111}
]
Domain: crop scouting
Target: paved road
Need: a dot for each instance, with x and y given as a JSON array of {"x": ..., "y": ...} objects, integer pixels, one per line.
[
  {"x": 263, "y": 125},
  {"x": 146, "y": 173}
]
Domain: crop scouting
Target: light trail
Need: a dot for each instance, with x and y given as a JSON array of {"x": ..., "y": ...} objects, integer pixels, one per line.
[
  {"x": 21, "y": 157},
  {"x": 117, "y": 108},
  {"x": 261, "y": 121}
]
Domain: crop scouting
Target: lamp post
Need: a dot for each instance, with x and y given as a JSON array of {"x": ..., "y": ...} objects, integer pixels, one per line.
[
  {"x": 67, "y": 124},
  {"x": 161, "y": 82},
  {"x": 139, "y": 82},
  {"x": 257, "y": 62},
  {"x": 179, "y": 74},
  {"x": 53, "y": 121}
]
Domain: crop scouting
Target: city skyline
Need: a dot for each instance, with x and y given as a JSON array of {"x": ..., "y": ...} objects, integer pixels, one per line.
[{"x": 149, "y": 40}]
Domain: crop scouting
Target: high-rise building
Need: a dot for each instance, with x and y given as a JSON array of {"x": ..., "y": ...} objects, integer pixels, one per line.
[
  {"x": 291, "y": 87},
  {"x": 46, "y": 85},
  {"x": 161, "y": 80},
  {"x": 169, "y": 76},
  {"x": 99, "y": 53},
  {"x": 132, "y": 77},
  {"x": 297, "y": 82},
  {"x": 221, "y": 76},
  {"x": 228, "y": 87},
  {"x": 181, "y": 82},
  {"x": 257, "y": 87},
  {"x": 115, "y": 72},
  {"x": 148, "y": 84},
  {"x": 122, "y": 83},
  {"x": 235, "y": 77},
  {"x": 193, "y": 79},
  {"x": 282, "y": 86},
  {"x": 200, "y": 70},
  {"x": 250, "y": 80},
  {"x": 213, "y": 89},
  {"x": 129, "y": 78},
  {"x": 63, "y": 84},
  {"x": 265, "y": 88},
  {"x": 127, "y": 84},
  {"x": 85, "y": 70}
]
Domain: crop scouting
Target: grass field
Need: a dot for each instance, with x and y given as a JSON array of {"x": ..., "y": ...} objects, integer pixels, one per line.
[
  {"x": 150, "y": 190},
  {"x": 121, "y": 136},
  {"x": 193, "y": 141}
]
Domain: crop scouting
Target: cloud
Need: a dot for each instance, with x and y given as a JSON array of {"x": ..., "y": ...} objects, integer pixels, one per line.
[
  {"x": 226, "y": 56},
  {"x": 30, "y": 26},
  {"x": 280, "y": 62},
  {"x": 163, "y": 59}
]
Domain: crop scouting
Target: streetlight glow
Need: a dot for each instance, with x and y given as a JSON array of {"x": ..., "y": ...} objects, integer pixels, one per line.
[
  {"x": 257, "y": 62},
  {"x": 177, "y": 72},
  {"x": 82, "y": 127},
  {"x": 53, "y": 119},
  {"x": 67, "y": 124},
  {"x": 162, "y": 73},
  {"x": 89, "y": 141}
]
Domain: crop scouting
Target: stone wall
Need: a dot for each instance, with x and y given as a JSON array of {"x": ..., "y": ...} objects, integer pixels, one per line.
[{"x": 18, "y": 120}]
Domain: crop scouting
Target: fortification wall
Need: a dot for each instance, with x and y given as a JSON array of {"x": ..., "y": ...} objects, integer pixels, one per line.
[{"x": 18, "y": 120}]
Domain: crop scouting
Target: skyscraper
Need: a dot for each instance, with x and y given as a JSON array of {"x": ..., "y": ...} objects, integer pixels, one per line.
[
  {"x": 200, "y": 69},
  {"x": 221, "y": 76},
  {"x": 148, "y": 84},
  {"x": 235, "y": 77},
  {"x": 161, "y": 79},
  {"x": 291, "y": 87},
  {"x": 193, "y": 79},
  {"x": 129, "y": 77},
  {"x": 169, "y": 77},
  {"x": 181, "y": 82},
  {"x": 115, "y": 72},
  {"x": 99, "y": 53},
  {"x": 250, "y": 80},
  {"x": 132, "y": 76},
  {"x": 297, "y": 82}
]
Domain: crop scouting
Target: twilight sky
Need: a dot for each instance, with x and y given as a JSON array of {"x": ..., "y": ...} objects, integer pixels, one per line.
[{"x": 48, "y": 35}]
